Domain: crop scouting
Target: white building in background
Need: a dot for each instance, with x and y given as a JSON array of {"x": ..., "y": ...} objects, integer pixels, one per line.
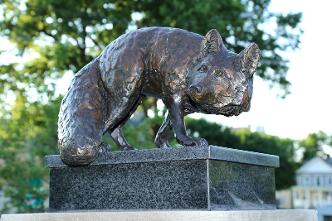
[{"x": 314, "y": 184}]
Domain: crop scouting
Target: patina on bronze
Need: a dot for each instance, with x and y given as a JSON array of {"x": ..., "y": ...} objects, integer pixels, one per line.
[{"x": 189, "y": 72}]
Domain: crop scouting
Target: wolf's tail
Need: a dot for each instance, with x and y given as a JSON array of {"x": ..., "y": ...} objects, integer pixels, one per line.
[{"x": 82, "y": 117}]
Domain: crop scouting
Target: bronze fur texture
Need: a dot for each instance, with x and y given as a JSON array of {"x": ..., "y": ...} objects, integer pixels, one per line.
[{"x": 188, "y": 72}]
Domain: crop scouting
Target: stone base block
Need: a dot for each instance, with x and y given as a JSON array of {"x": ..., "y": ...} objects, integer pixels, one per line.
[
  {"x": 207, "y": 178},
  {"x": 253, "y": 215}
]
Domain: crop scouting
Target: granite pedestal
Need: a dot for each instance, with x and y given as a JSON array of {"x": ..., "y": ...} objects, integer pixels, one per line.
[{"x": 207, "y": 178}]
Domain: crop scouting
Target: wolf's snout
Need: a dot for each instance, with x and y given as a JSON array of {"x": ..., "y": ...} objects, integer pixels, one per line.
[{"x": 195, "y": 89}]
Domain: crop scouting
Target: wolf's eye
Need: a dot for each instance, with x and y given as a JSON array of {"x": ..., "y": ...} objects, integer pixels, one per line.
[
  {"x": 203, "y": 68},
  {"x": 218, "y": 72}
]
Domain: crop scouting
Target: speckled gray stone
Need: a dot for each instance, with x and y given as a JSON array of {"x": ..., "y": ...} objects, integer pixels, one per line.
[
  {"x": 240, "y": 186},
  {"x": 211, "y": 178}
]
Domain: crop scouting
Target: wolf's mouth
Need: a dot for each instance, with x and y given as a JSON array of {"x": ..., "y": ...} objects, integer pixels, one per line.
[
  {"x": 231, "y": 110},
  {"x": 227, "y": 110}
]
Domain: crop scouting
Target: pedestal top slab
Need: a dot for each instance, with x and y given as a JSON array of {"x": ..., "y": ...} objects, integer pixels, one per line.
[{"x": 175, "y": 154}]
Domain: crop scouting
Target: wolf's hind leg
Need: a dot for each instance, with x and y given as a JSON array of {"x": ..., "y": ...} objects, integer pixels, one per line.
[
  {"x": 120, "y": 140},
  {"x": 164, "y": 133},
  {"x": 117, "y": 134}
]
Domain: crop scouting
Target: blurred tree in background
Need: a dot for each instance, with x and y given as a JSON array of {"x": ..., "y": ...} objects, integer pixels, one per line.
[
  {"x": 52, "y": 37},
  {"x": 313, "y": 145},
  {"x": 27, "y": 132}
]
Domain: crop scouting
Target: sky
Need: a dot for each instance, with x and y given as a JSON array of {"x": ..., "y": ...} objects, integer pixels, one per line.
[{"x": 308, "y": 108}]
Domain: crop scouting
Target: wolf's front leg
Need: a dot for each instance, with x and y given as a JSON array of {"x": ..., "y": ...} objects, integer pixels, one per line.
[{"x": 176, "y": 117}]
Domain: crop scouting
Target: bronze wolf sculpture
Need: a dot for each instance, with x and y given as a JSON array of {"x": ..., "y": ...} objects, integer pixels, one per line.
[{"x": 189, "y": 72}]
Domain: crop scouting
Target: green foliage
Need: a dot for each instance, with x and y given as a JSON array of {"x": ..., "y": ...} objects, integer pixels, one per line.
[
  {"x": 149, "y": 128},
  {"x": 64, "y": 35},
  {"x": 139, "y": 135},
  {"x": 313, "y": 145},
  {"x": 27, "y": 134}
]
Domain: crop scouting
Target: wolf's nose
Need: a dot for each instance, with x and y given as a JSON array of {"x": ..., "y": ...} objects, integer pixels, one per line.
[{"x": 195, "y": 89}]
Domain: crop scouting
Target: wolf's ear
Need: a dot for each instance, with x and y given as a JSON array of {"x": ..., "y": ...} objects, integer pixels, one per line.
[
  {"x": 212, "y": 42},
  {"x": 250, "y": 58}
]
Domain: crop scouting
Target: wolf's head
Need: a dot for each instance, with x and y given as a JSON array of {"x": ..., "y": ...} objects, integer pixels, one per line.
[{"x": 220, "y": 81}]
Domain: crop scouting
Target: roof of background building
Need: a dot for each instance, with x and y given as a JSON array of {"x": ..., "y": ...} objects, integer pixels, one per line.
[{"x": 316, "y": 165}]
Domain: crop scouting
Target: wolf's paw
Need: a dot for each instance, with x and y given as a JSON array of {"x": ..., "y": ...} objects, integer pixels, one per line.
[{"x": 194, "y": 142}]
